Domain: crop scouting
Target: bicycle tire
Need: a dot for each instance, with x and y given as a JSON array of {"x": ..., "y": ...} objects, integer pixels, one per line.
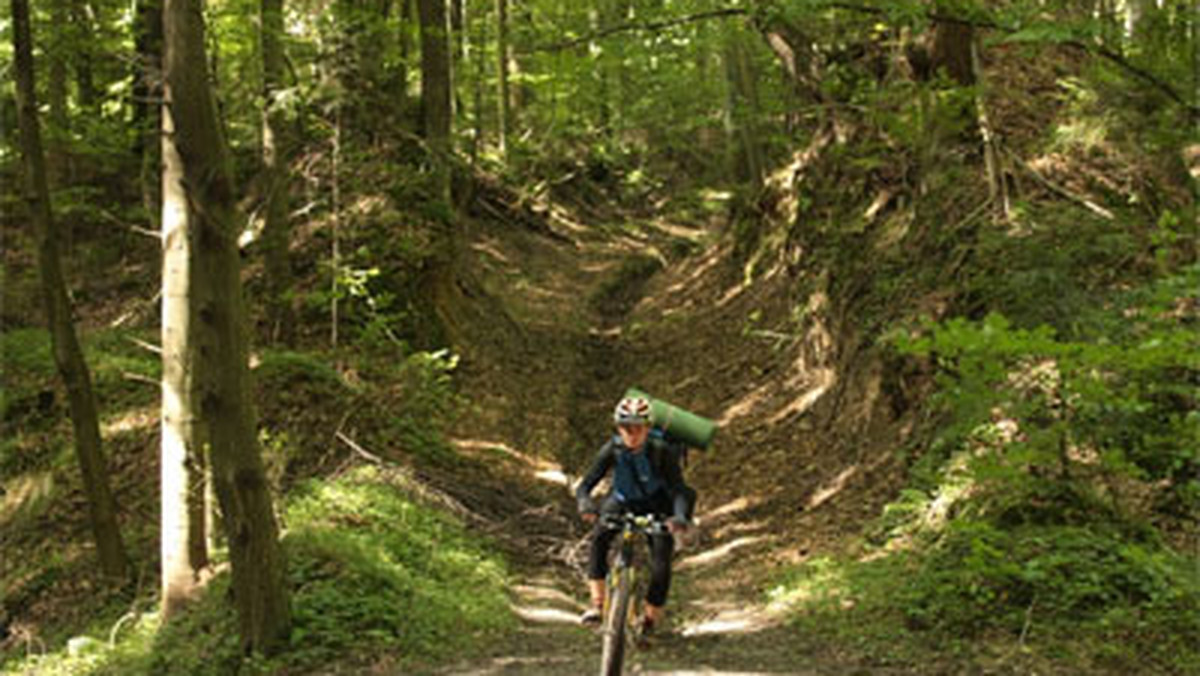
[{"x": 615, "y": 622}]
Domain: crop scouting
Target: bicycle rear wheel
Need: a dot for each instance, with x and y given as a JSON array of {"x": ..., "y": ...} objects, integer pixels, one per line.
[{"x": 615, "y": 622}]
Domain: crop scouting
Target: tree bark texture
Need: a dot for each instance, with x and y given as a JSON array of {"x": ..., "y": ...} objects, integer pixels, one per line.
[
  {"x": 797, "y": 54},
  {"x": 502, "y": 107},
  {"x": 258, "y": 566},
  {"x": 479, "y": 66},
  {"x": 749, "y": 165},
  {"x": 182, "y": 446},
  {"x": 56, "y": 90},
  {"x": 950, "y": 49},
  {"x": 436, "y": 85},
  {"x": 275, "y": 154},
  {"x": 67, "y": 353},
  {"x": 147, "y": 101},
  {"x": 406, "y": 52},
  {"x": 83, "y": 16}
]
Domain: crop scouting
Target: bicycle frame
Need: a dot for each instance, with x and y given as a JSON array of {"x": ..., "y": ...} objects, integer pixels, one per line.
[{"x": 623, "y": 597}]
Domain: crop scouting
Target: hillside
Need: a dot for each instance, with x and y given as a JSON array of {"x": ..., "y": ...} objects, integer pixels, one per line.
[{"x": 934, "y": 277}]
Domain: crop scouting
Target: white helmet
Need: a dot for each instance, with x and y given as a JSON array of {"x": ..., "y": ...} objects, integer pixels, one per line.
[{"x": 632, "y": 411}]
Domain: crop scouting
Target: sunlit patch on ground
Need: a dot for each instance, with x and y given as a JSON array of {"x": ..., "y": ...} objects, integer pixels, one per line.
[
  {"x": 545, "y": 615},
  {"x": 131, "y": 421},
  {"x": 490, "y": 248},
  {"x": 709, "y": 672},
  {"x": 746, "y": 405},
  {"x": 730, "y": 618},
  {"x": 740, "y": 528},
  {"x": 543, "y": 470},
  {"x": 732, "y": 507},
  {"x": 544, "y": 593},
  {"x": 24, "y": 493},
  {"x": 720, "y": 554},
  {"x": 513, "y": 665},
  {"x": 832, "y": 488}
]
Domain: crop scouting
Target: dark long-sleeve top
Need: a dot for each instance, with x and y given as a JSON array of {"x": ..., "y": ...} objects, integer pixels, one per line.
[{"x": 643, "y": 478}]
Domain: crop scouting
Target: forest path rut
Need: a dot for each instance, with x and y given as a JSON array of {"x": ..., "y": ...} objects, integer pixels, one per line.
[{"x": 543, "y": 386}]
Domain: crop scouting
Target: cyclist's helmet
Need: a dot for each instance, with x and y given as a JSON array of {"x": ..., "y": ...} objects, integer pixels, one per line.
[{"x": 632, "y": 411}]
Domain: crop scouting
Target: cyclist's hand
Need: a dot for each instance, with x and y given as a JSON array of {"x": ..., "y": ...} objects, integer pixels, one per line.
[
  {"x": 589, "y": 517},
  {"x": 677, "y": 527}
]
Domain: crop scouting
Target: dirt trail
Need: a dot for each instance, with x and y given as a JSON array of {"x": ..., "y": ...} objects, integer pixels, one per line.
[{"x": 543, "y": 381}]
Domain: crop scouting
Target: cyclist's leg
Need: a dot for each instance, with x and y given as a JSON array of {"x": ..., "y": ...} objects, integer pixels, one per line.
[
  {"x": 661, "y": 549},
  {"x": 597, "y": 572},
  {"x": 690, "y": 496}
]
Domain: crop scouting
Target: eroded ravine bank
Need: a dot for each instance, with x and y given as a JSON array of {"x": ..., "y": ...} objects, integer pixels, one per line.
[{"x": 592, "y": 318}]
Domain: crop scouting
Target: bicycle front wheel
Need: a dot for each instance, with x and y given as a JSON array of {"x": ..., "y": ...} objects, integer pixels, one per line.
[{"x": 615, "y": 622}]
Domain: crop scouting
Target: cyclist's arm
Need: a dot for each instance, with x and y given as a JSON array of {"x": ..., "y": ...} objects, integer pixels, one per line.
[
  {"x": 600, "y": 465},
  {"x": 676, "y": 486}
]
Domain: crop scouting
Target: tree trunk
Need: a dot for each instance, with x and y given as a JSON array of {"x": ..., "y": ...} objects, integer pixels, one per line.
[
  {"x": 951, "y": 49},
  {"x": 275, "y": 153},
  {"x": 83, "y": 16},
  {"x": 599, "y": 74},
  {"x": 458, "y": 26},
  {"x": 478, "y": 52},
  {"x": 797, "y": 54},
  {"x": 435, "y": 86},
  {"x": 502, "y": 107},
  {"x": 1138, "y": 15},
  {"x": 997, "y": 182},
  {"x": 147, "y": 101},
  {"x": 56, "y": 90},
  {"x": 749, "y": 165},
  {"x": 406, "y": 51},
  {"x": 182, "y": 446},
  {"x": 258, "y": 566},
  {"x": 67, "y": 354}
]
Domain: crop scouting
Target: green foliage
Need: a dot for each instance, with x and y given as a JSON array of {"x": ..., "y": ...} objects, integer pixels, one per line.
[
  {"x": 1029, "y": 514},
  {"x": 377, "y": 576},
  {"x": 1050, "y": 588},
  {"x": 423, "y": 404},
  {"x": 401, "y": 578},
  {"x": 281, "y": 370},
  {"x": 1039, "y": 409}
]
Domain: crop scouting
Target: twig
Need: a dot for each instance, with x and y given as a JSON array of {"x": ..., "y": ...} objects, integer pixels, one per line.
[
  {"x": 112, "y": 634},
  {"x": 1095, "y": 50},
  {"x": 120, "y": 321},
  {"x": 140, "y": 230},
  {"x": 147, "y": 232},
  {"x": 145, "y": 345},
  {"x": 1028, "y": 623},
  {"x": 358, "y": 449},
  {"x": 997, "y": 185},
  {"x": 137, "y": 377},
  {"x": 648, "y": 26},
  {"x": 1061, "y": 191}
]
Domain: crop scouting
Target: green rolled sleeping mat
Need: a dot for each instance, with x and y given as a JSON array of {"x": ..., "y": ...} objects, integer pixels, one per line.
[{"x": 691, "y": 429}]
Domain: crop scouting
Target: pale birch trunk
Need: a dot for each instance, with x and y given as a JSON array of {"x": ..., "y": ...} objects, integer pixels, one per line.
[{"x": 256, "y": 559}]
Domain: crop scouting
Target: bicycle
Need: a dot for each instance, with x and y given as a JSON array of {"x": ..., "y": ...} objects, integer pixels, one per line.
[{"x": 621, "y": 606}]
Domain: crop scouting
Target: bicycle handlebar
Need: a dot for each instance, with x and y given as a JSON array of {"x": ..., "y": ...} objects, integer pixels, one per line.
[{"x": 641, "y": 523}]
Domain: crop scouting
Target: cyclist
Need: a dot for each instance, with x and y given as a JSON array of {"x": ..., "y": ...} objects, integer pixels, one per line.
[{"x": 647, "y": 479}]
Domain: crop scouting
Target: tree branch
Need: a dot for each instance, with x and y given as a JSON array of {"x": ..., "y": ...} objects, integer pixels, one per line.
[
  {"x": 1095, "y": 50},
  {"x": 646, "y": 26}
]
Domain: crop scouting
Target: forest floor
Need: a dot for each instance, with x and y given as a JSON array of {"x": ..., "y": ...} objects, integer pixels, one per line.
[{"x": 595, "y": 310}]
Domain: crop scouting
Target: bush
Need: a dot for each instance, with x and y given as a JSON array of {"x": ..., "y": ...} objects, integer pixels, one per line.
[
  {"x": 375, "y": 571},
  {"x": 377, "y": 577}
]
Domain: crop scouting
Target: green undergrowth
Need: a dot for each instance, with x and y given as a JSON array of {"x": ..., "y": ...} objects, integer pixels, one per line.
[
  {"x": 1049, "y": 501},
  {"x": 394, "y": 404},
  {"x": 380, "y": 580},
  {"x": 1085, "y": 597},
  {"x": 35, "y": 447}
]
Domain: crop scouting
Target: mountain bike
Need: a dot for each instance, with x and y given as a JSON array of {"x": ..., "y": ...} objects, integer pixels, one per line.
[{"x": 621, "y": 608}]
